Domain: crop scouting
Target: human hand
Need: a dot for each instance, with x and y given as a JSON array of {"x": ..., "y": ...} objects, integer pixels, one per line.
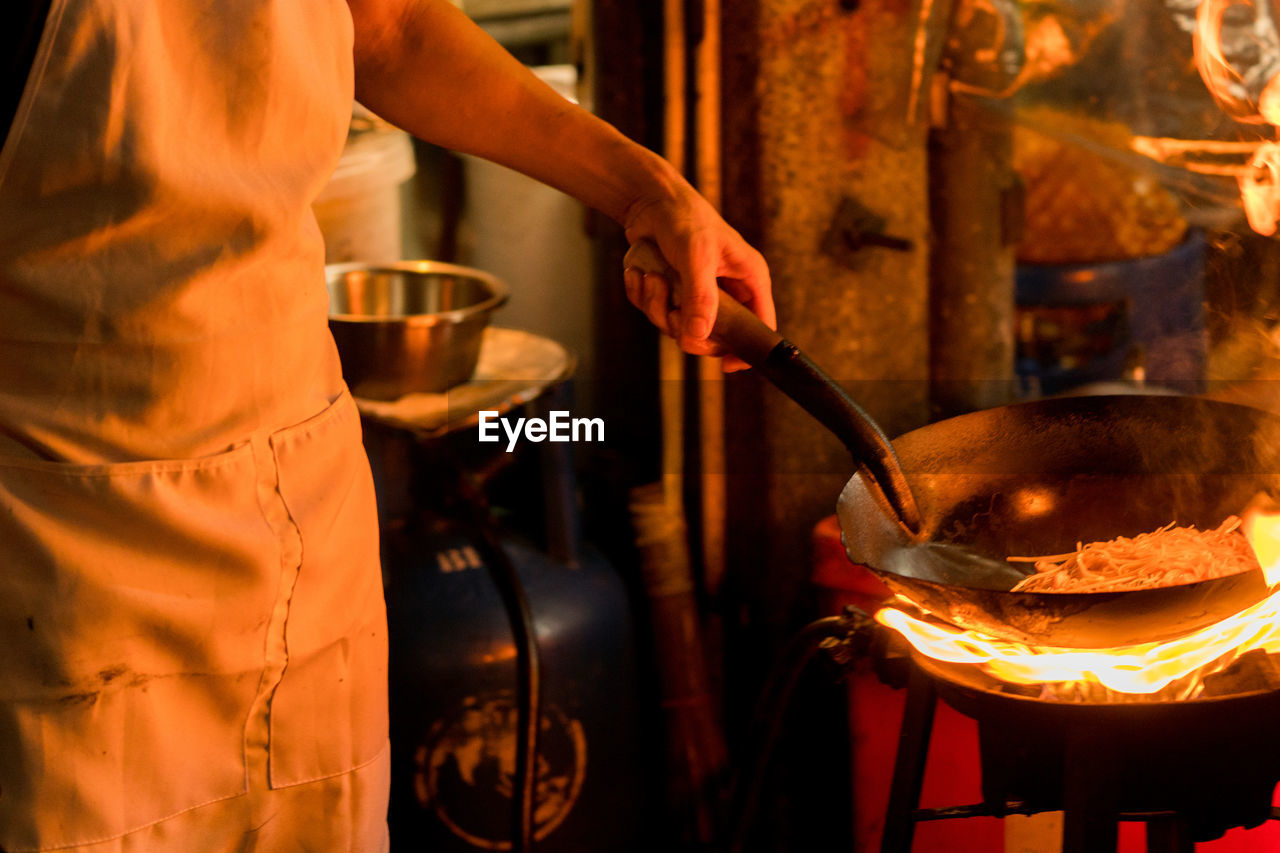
[{"x": 704, "y": 255}]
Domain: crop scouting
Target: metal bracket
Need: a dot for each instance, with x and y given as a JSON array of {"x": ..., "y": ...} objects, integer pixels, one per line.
[{"x": 855, "y": 227}]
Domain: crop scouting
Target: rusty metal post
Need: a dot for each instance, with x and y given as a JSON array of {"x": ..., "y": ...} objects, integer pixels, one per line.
[
  {"x": 971, "y": 299},
  {"x": 975, "y": 211},
  {"x": 815, "y": 107}
]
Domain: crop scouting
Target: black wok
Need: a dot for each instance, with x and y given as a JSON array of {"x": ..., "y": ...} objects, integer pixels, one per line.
[
  {"x": 935, "y": 513},
  {"x": 1035, "y": 478}
]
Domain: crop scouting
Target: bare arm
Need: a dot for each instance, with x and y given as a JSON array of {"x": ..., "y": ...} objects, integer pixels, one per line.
[{"x": 423, "y": 65}]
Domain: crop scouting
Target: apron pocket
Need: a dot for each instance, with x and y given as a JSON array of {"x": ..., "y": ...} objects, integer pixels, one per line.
[
  {"x": 329, "y": 712},
  {"x": 134, "y": 604}
]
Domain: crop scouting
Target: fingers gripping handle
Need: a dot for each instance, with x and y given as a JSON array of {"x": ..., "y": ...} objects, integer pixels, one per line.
[
  {"x": 792, "y": 372},
  {"x": 736, "y": 328}
]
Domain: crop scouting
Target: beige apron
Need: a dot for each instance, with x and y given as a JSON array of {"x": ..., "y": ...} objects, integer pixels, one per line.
[{"x": 192, "y": 633}]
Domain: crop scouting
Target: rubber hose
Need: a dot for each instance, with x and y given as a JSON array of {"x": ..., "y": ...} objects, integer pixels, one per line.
[
  {"x": 770, "y": 713},
  {"x": 528, "y": 686}
]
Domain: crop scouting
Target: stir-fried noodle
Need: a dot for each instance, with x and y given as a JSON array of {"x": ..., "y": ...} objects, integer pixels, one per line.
[{"x": 1165, "y": 557}]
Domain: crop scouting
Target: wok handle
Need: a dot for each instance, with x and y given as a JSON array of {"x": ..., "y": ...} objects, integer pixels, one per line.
[{"x": 792, "y": 372}]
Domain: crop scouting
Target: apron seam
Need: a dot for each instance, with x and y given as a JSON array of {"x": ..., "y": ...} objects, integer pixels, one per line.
[
  {"x": 74, "y": 844},
  {"x": 276, "y": 652},
  {"x": 128, "y": 468},
  {"x": 326, "y": 426},
  {"x": 35, "y": 79},
  {"x": 352, "y": 769}
]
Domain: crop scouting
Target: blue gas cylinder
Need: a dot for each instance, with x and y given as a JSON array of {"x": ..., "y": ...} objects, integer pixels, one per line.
[{"x": 453, "y": 699}]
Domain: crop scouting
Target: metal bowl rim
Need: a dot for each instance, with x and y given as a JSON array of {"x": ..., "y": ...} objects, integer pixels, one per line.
[{"x": 500, "y": 291}]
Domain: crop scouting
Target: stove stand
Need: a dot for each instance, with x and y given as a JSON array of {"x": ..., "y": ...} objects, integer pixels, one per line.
[{"x": 1190, "y": 770}]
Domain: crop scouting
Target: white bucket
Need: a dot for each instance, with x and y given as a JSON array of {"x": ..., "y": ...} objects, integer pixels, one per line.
[{"x": 359, "y": 209}]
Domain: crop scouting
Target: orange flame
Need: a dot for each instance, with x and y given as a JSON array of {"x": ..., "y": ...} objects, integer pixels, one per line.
[
  {"x": 1261, "y": 526},
  {"x": 1224, "y": 82},
  {"x": 1140, "y": 669}
]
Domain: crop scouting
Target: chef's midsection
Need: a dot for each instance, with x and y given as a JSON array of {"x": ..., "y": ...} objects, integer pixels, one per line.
[{"x": 90, "y": 403}]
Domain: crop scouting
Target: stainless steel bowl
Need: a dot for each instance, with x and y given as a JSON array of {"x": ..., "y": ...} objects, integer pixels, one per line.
[{"x": 411, "y": 326}]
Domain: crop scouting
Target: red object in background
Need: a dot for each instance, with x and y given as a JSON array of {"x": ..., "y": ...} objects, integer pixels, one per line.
[{"x": 952, "y": 774}]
